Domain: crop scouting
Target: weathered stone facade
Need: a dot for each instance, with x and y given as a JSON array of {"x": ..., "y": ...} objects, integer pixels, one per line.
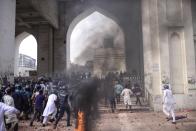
[
  {"x": 169, "y": 50},
  {"x": 159, "y": 39}
]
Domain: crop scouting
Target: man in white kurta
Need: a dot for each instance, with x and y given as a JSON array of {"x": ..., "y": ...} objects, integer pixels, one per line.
[
  {"x": 126, "y": 93},
  {"x": 50, "y": 108},
  {"x": 168, "y": 103},
  {"x": 10, "y": 118},
  {"x": 4, "y": 108}
]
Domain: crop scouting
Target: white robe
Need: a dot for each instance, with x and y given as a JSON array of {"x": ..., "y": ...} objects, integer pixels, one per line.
[
  {"x": 50, "y": 106},
  {"x": 168, "y": 104},
  {"x": 10, "y": 117},
  {"x": 168, "y": 99},
  {"x": 4, "y": 108},
  {"x": 126, "y": 93}
]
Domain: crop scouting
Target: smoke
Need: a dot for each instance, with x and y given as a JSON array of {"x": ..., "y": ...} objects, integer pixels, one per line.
[
  {"x": 83, "y": 91},
  {"x": 85, "y": 99},
  {"x": 89, "y": 34}
]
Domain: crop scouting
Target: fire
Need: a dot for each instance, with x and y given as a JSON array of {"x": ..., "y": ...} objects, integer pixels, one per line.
[{"x": 81, "y": 122}]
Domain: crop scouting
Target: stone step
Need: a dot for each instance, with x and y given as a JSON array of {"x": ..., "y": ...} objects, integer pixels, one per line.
[{"x": 122, "y": 108}]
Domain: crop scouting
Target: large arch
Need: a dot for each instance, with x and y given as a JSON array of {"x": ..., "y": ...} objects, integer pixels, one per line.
[
  {"x": 19, "y": 38},
  {"x": 81, "y": 17}
]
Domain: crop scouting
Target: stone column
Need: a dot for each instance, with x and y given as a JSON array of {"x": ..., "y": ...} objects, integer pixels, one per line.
[
  {"x": 189, "y": 47},
  {"x": 51, "y": 50},
  {"x": 7, "y": 37},
  {"x": 60, "y": 42},
  {"x": 147, "y": 51},
  {"x": 151, "y": 47},
  {"x": 45, "y": 50}
]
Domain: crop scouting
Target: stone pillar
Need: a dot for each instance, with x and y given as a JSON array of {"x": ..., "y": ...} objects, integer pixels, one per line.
[
  {"x": 147, "y": 51},
  {"x": 189, "y": 47},
  {"x": 168, "y": 50},
  {"x": 151, "y": 49},
  {"x": 7, "y": 37},
  {"x": 60, "y": 42},
  {"x": 45, "y": 50}
]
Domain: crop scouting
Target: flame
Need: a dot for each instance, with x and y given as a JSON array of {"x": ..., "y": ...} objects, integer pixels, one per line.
[{"x": 81, "y": 122}]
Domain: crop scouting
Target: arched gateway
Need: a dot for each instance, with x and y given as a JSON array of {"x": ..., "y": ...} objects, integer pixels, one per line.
[
  {"x": 95, "y": 38},
  {"x": 147, "y": 25}
]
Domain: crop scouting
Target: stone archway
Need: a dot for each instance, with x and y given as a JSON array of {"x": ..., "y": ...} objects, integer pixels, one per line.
[
  {"x": 18, "y": 41},
  {"x": 92, "y": 13}
]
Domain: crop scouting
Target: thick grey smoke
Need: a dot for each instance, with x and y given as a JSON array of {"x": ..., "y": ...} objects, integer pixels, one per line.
[
  {"x": 84, "y": 95},
  {"x": 89, "y": 34}
]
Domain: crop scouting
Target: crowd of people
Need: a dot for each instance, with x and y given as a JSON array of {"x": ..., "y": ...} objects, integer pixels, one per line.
[
  {"x": 47, "y": 99},
  {"x": 33, "y": 99}
]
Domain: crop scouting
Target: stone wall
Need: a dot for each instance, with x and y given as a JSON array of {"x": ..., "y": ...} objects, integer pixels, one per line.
[
  {"x": 169, "y": 49},
  {"x": 7, "y": 37}
]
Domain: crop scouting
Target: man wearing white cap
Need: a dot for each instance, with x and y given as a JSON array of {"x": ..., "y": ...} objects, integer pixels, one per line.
[{"x": 168, "y": 103}]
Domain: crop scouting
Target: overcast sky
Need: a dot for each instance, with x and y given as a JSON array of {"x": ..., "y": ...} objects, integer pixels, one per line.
[{"x": 29, "y": 47}]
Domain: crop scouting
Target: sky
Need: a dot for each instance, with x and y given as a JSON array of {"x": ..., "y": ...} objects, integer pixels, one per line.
[{"x": 29, "y": 47}]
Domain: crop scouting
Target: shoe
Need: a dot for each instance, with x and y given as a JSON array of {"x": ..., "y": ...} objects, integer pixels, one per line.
[
  {"x": 55, "y": 125},
  {"x": 173, "y": 122},
  {"x": 69, "y": 125},
  {"x": 168, "y": 119},
  {"x": 51, "y": 120},
  {"x": 43, "y": 125},
  {"x": 31, "y": 124}
]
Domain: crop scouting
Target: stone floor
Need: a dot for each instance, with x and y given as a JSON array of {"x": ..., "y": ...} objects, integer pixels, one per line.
[
  {"x": 140, "y": 119},
  {"x": 144, "y": 121},
  {"x": 137, "y": 120}
]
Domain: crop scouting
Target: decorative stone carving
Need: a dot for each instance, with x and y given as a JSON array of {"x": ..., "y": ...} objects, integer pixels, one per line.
[{"x": 165, "y": 80}]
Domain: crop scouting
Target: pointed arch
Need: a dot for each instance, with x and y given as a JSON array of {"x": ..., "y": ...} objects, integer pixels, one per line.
[
  {"x": 77, "y": 20},
  {"x": 18, "y": 40}
]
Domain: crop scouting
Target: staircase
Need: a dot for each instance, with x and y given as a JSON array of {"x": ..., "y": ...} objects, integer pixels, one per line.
[{"x": 120, "y": 107}]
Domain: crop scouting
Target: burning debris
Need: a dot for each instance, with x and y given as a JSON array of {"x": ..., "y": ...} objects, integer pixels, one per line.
[
  {"x": 83, "y": 93},
  {"x": 84, "y": 102},
  {"x": 80, "y": 121}
]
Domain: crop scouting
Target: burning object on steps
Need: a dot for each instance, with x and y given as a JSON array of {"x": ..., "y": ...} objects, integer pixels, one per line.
[
  {"x": 80, "y": 126},
  {"x": 84, "y": 103}
]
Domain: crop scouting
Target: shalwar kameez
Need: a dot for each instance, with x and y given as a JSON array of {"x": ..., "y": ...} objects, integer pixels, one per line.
[
  {"x": 50, "y": 108},
  {"x": 168, "y": 103},
  {"x": 126, "y": 93}
]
